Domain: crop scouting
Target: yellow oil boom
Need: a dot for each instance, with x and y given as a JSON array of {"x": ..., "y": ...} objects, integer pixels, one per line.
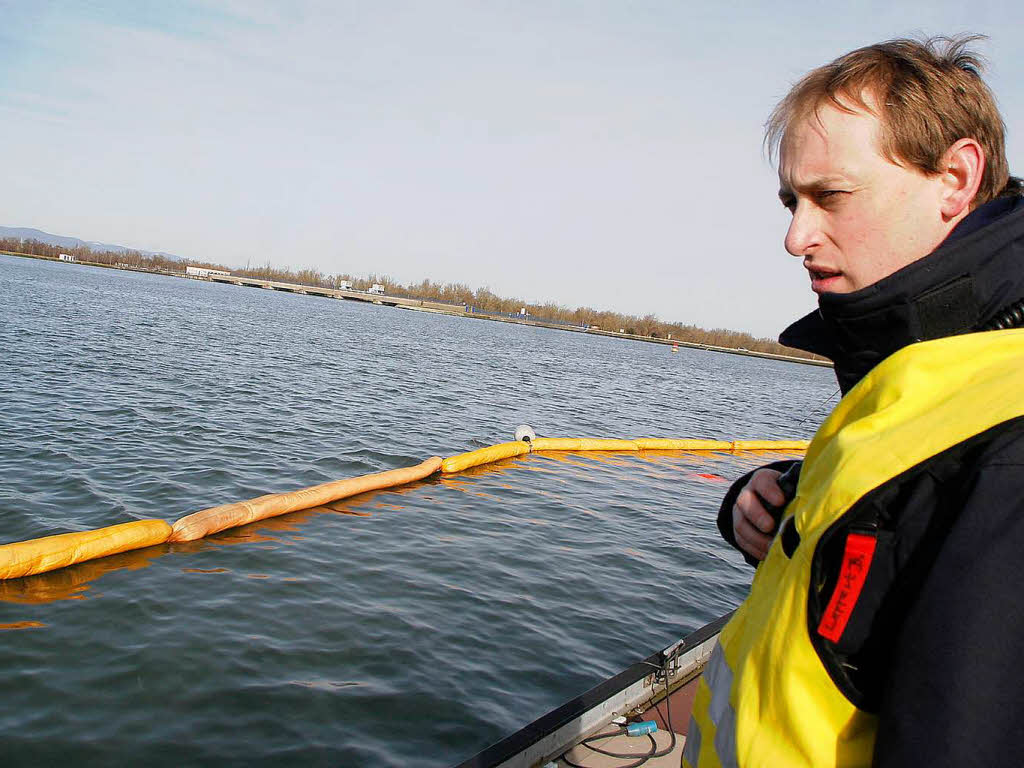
[{"x": 25, "y": 558}]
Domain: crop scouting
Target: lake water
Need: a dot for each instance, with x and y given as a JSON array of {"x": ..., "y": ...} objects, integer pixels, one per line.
[{"x": 409, "y": 628}]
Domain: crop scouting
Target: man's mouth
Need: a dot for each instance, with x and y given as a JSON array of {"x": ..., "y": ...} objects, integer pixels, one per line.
[
  {"x": 823, "y": 278},
  {"x": 823, "y": 274}
]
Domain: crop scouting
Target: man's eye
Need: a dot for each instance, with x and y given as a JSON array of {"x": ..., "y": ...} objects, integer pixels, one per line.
[
  {"x": 789, "y": 203},
  {"x": 828, "y": 195}
]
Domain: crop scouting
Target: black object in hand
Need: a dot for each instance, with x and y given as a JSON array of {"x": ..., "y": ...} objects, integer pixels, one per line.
[{"x": 787, "y": 482}]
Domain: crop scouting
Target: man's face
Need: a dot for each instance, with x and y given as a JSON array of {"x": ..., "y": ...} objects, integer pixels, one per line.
[{"x": 857, "y": 216}]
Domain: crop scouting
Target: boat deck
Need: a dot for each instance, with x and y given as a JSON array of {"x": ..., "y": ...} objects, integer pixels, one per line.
[
  {"x": 680, "y": 703},
  {"x": 630, "y": 692}
]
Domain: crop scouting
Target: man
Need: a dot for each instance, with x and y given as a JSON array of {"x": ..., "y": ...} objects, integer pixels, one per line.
[{"x": 885, "y": 623}]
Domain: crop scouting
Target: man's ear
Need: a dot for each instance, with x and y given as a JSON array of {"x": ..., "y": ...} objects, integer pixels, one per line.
[{"x": 963, "y": 166}]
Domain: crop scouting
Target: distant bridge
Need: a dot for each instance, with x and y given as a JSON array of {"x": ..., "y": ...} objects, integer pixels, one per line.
[{"x": 336, "y": 293}]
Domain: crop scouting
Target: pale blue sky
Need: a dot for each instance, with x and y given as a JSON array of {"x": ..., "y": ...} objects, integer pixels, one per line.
[{"x": 599, "y": 153}]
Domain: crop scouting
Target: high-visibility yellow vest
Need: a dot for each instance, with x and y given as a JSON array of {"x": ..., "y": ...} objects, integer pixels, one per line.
[{"x": 766, "y": 698}]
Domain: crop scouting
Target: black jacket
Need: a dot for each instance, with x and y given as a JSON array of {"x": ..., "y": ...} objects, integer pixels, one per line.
[{"x": 940, "y": 633}]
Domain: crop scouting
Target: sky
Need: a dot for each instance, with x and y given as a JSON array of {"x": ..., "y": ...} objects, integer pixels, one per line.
[{"x": 589, "y": 153}]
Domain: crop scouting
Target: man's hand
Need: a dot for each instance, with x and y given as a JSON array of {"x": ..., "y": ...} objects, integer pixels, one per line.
[{"x": 752, "y": 524}]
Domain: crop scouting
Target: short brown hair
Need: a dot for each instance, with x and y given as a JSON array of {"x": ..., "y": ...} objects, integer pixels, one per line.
[{"x": 926, "y": 94}]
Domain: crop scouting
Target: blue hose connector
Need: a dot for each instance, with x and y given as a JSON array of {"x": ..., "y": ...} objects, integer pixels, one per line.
[{"x": 642, "y": 728}]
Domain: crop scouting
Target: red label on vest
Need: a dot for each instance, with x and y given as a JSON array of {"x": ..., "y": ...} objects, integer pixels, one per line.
[{"x": 860, "y": 548}]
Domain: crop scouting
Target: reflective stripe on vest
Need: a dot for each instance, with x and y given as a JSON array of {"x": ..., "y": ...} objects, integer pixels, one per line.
[
  {"x": 721, "y": 710},
  {"x": 692, "y": 747},
  {"x": 766, "y": 699},
  {"x": 717, "y": 679}
]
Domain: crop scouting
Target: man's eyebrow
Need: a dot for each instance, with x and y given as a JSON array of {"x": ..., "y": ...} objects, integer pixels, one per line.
[{"x": 818, "y": 184}]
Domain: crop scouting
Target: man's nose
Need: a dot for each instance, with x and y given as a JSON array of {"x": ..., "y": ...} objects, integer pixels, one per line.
[{"x": 804, "y": 233}]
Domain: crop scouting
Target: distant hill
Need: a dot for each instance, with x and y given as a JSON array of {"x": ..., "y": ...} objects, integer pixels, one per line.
[{"x": 61, "y": 241}]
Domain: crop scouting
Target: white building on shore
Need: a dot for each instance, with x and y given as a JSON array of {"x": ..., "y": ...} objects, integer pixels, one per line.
[{"x": 204, "y": 272}]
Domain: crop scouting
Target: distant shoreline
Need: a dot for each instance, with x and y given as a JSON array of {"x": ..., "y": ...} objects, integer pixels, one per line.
[{"x": 424, "y": 305}]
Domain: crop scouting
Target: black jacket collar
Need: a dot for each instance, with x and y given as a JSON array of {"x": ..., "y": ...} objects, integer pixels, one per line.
[{"x": 959, "y": 287}]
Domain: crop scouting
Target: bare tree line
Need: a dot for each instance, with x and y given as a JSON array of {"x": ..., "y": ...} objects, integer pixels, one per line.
[
  {"x": 481, "y": 299},
  {"x": 129, "y": 258}
]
